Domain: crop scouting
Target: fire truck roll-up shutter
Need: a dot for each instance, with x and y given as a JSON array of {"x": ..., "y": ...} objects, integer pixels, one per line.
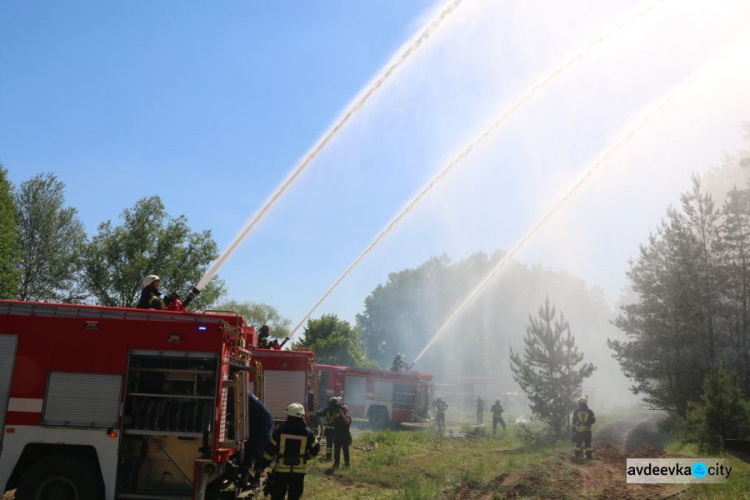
[
  {"x": 82, "y": 400},
  {"x": 7, "y": 357},
  {"x": 281, "y": 388}
]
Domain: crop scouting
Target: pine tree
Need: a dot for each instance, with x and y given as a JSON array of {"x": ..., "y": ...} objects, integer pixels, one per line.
[
  {"x": 549, "y": 371},
  {"x": 724, "y": 414}
]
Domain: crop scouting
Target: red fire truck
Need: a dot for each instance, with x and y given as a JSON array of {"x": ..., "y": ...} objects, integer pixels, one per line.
[
  {"x": 378, "y": 395},
  {"x": 101, "y": 402},
  {"x": 287, "y": 376}
]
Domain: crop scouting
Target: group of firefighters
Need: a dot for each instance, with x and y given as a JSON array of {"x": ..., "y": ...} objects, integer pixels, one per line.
[{"x": 293, "y": 443}]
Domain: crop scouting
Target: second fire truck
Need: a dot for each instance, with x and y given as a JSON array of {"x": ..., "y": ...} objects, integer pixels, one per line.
[{"x": 380, "y": 396}]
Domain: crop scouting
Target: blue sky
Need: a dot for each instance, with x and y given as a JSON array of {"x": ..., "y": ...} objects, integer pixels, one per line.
[{"x": 211, "y": 104}]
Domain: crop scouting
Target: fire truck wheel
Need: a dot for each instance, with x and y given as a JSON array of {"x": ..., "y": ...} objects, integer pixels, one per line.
[
  {"x": 379, "y": 418},
  {"x": 60, "y": 478}
]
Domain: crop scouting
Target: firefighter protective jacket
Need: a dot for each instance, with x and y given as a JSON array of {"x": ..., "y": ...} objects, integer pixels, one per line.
[
  {"x": 583, "y": 419},
  {"x": 328, "y": 413},
  {"x": 151, "y": 299},
  {"x": 496, "y": 410},
  {"x": 292, "y": 445}
]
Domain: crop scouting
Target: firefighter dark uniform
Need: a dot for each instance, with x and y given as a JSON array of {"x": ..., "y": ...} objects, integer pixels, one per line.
[
  {"x": 291, "y": 446},
  {"x": 328, "y": 429},
  {"x": 497, "y": 416},
  {"x": 151, "y": 296},
  {"x": 440, "y": 407},
  {"x": 261, "y": 425},
  {"x": 399, "y": 365},
  {"x": 480, "y": 410},
  {"x": 263, "y": 337},
  {"x": 583, "y": 419}
]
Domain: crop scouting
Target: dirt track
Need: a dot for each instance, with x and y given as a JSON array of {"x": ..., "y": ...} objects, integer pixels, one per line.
[{"x": 603, "y": 477}]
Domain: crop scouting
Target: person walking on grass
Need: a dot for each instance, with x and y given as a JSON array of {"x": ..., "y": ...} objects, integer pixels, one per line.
[{"x": 497, "y": 416}]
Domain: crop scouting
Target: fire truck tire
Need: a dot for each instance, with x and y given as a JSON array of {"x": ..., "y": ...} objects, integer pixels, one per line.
[
  {"x": 60, "y": 477},
  {"x": 379, "y": 418}
]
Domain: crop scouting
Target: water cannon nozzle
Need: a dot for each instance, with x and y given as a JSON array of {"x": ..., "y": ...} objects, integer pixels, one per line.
[{"x": 193, "y": 294}]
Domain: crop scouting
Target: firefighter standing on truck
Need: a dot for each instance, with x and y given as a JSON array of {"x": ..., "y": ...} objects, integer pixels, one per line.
[
  {"x": 151, "y": 296},
  {"x": 497, "y": 416},
  {"x": 291, "y": 446},
  {"x": 328, "y": 430},
  {"x": 583, "y": 419},
  {"x": 263, "y": 337}
]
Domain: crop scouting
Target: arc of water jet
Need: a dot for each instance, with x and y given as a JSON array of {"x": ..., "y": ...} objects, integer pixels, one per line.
[
  {"x": 505, "y": 116},
  {"x": 410, "y": 47},
  {"x": 655, "y": 108}
]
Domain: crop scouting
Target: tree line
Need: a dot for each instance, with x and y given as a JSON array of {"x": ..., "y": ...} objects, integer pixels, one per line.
[
  {"x": 692, "y": 280},
  {"x": 46, "y": 254}
]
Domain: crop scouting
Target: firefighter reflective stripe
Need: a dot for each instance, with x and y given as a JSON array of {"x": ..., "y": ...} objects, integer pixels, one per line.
[
  {"x": 271, "y": 444},
  {"x": 156, "y": 303},
  {"x": 581, "y": 421},
  {"x": 291, "y": 456}
]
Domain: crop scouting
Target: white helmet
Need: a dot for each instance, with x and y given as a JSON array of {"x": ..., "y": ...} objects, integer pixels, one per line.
[
  {"x": 149, "y": 279},
  {"x": 295, "y": 410}
]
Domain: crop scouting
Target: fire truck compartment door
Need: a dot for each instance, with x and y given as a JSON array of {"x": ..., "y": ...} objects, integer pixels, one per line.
[
  {"x": 354, "y": 391},
  {"x": 82, "y": 400},
  {"x": 283, "y": 387},
  {"x": 7, "y": 360},
  {"x": 383, "y": 391}
]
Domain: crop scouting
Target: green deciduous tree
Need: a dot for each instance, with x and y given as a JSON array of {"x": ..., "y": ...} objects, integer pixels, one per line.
[
  {"x": 52, "y": 239},
  {"x": 149, "y": 241},
  {"x": 259, "y": 314},
  {"x": 9, "y": 242},
  {"x": 550, "y": 371},
  {"x": 334, "y": 341}
]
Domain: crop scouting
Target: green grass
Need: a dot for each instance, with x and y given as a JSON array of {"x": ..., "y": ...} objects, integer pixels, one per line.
[
  {"x": 736, "y": 487},
  {"x": 423, "y": 465}
]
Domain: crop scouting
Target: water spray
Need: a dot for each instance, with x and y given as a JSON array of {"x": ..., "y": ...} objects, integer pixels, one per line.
[
  {"x": 610, "y": 151},
  {"x": 504, "y": 116},
  {"x": 408, "y": 49}
]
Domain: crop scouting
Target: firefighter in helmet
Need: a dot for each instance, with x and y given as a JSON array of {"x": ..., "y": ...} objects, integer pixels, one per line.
[
  {"x": 151, "y": 296},
  {"x": 328, "y": 431},
  {"x": 583, "y": 419},
  {"x": 399, "y": 365},
  {"x": 497, "y": 416},
  {"x": 290, "y": 446},
  {"x": 264, "y": 341}
]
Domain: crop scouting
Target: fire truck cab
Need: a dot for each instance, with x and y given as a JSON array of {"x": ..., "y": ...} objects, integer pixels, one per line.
[
  {"x": 380, "y": 396},
  {"x": 102, "y": 402}
]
